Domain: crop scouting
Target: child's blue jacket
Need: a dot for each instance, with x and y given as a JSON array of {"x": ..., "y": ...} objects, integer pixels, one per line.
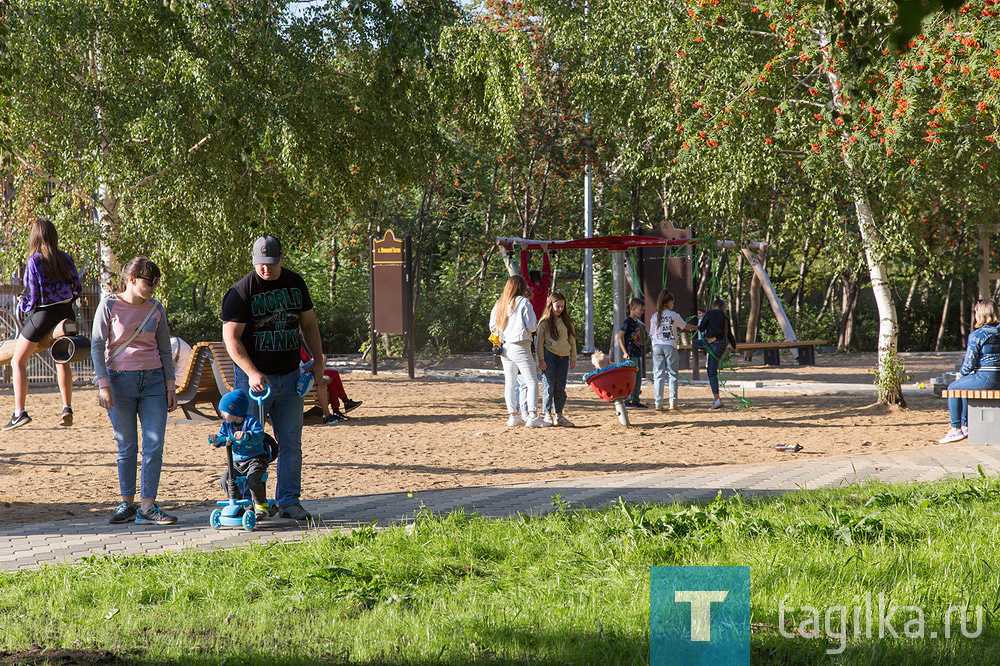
[{"x": 252, "y": 444}]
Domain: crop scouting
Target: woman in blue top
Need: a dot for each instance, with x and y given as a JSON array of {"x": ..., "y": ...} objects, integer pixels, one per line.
[
  {"x": 51, "y": 284},
  {"x": 980, "y": 370}
]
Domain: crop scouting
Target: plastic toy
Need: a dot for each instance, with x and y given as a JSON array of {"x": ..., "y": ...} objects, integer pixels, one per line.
[{"x": 613, "y": 384}]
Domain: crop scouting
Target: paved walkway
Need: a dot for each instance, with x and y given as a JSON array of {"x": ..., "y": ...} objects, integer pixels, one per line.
[{"x": 29, "y": 546}]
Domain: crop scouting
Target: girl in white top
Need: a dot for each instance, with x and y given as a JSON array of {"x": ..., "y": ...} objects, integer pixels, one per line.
[
  {"x": 513, "y": 319},
  {"x": 664, "y": 327}
]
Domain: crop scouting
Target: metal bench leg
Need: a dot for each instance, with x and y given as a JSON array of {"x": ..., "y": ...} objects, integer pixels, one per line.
[{"x": 772, "y": 357}]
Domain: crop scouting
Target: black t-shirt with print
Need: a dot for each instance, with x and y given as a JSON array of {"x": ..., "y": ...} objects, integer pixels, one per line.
[{"x": 271, "y": 310}]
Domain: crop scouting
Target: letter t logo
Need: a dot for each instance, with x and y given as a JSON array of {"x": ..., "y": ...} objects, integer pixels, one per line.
[{"x": 701, "y": 610}]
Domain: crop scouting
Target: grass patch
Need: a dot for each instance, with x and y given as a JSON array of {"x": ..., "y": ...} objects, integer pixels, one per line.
[{"x": 568, "y": 587}]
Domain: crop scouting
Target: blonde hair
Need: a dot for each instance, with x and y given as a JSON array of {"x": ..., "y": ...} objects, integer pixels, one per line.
[
  {"x": 516, "y": 286},
  {"x": 985, "y": 312}
]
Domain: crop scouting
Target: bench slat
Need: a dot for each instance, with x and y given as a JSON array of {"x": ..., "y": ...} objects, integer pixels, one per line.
[{"x": 972, "y": 395}]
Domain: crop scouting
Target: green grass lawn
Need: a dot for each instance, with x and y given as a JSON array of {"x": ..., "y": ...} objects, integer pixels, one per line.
[{"x": 568, "y": 587}]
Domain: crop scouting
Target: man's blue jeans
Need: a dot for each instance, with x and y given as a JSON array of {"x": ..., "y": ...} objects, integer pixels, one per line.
[
  {"x": 140, "y": 396},
  {"x": 980, "y": 380},
  {"x": 284, "y": 406},
  {"x": 554, "y": 382}
]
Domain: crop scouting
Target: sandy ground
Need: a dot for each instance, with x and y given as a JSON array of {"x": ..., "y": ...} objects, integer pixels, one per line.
[{"x": 439, "y": 433}]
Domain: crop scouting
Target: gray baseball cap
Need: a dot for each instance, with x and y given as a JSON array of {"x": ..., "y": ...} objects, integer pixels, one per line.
[{"x": 267, "y": 250}]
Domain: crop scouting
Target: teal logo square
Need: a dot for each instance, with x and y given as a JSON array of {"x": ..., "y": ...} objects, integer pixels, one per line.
[{"x": 699, "y": 616}]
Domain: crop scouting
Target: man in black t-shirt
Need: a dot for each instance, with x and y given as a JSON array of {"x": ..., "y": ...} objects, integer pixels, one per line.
[{"x": 266, "y": 316}]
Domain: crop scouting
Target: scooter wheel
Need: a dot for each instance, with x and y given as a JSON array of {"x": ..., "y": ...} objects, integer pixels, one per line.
[
  {"x": 216, "y": 519},
  {"x": 249, "y": 521}
]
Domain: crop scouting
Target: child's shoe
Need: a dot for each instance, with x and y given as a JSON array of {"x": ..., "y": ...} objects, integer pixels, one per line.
[
  {"x": 261, "y": 511},
  {"x": 330, "y": 419},
  {"x": 672, "y": 407},
  {"x": 514, "y": 420},
  {"x": 548, "y": 419},
  {"x": 717, "y": 404},
  {"x": 563, "y": 421},
  {"x": 658, "y": 406},
  {"x": 66, "y": 419},
  {"x": 351, "y": 405}
]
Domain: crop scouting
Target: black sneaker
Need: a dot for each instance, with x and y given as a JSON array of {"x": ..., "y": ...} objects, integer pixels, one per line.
[
  {"x": 123, "y": 513},
  {"x": 639, "y": 405},
  {"x": 155, "y": 516},
  {"x": 351, "y": 405},
  {"x": 17, "y": 421},
  {"x": 331, "y": 420},
  {"x": 295, "y": 512},
  {"x": 67, "y": 417}
]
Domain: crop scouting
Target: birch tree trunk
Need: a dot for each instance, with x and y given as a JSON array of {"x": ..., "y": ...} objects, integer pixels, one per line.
[{"x": 889, "y": 373}]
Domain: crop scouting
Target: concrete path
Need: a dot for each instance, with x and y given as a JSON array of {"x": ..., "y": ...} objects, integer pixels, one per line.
[{"x": 29, "y": 546}]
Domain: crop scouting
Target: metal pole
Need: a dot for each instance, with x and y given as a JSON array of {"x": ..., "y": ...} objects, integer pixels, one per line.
[
  {"x": 373, "y": 339},
  {"x": 620, "y": 311},
  {"x": 588, "y": 254},
  {"x": 408, "y": 314}
]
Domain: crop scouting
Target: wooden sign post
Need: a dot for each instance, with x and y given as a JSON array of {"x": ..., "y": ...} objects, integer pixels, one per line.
[{"x": 391, "y": 293}]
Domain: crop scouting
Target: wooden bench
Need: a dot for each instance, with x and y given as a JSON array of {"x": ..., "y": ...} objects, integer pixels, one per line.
[
  {"x": 224, "y": 370},
  {"x": 984, "y": 414},
  {"x": 195, "y": 382},
  {"x": 772, "y": 350}
]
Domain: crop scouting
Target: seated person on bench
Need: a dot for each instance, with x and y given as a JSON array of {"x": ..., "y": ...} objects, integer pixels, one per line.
[
  {"x": 980, "y": 370},
  {"x": 330, "y": 399}
]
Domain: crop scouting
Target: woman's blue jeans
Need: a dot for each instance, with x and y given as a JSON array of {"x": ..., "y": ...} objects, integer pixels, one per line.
[
  {"x": 980, "y": 380},
  {"x": 664, "y": 363},
  {"x": 716, "y": 350},
  {"x": 140, "y": 397},
  {"x": 284, "y": 406},
  {"x": 554, "y": 382}
]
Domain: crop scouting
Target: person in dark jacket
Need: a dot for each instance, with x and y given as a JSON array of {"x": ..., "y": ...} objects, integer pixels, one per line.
[
  {"x": 717, "y": 334},
  {"x": 980, "y": 370},
  {"x": 51, "y": 285}
]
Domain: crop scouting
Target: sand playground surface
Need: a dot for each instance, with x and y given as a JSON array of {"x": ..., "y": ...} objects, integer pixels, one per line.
[{"x": 447, "y": 428}]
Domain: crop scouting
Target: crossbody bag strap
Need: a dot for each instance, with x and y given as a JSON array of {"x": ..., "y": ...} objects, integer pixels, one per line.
[{"x": 132, "y": 337}]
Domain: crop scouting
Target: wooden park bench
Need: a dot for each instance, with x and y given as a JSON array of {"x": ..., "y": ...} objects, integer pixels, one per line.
[
  {"x": 772, "y": 350},
  {"x": 195, "y": 383},
  {"x": 984, "y": 414},
  {"x": 224, "y": 370}
]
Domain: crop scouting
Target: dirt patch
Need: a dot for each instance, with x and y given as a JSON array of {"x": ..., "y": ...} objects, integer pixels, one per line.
[
  {"x": 40, "y": 656},
  {"x": 432, "y": 433}
]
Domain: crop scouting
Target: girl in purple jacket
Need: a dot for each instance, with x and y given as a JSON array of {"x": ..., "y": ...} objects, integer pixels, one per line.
[{"x": 51, "y": 284}]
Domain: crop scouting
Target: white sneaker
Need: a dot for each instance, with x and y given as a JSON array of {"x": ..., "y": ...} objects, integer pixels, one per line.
[
  {"x": 535, "y": 422},
  {"x": 717, "y": 404},
  {"x": 954, "y": 435},
  {"x": 658, "y": 407},
  {"x": 672, "y": 407},
  {"x": 514, "y": 420},
  {"x": 548, "y": 419},
  {"x": 563, "y": 421}
]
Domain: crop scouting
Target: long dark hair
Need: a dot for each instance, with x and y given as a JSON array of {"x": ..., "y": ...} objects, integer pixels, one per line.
[
  {"x": 45, "y": 241},
  {"x": 139, "y": 267},
  {"x": 564, "y": 317}
]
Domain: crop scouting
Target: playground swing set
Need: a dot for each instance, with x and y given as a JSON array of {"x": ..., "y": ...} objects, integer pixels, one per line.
[{"x": 648, "y": 263}]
